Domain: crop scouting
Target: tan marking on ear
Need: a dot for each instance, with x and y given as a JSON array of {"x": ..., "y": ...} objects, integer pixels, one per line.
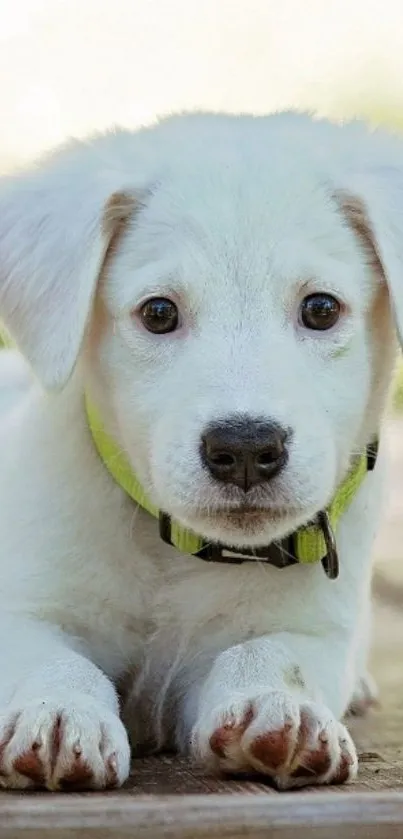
[
  {"x": 379, "y": 318},
  {"x": 118, "y": 209},
  {"x": 97, "y": 327},
  {"x": 117, "y": 212},
  {"x": 355, "y": 214},
  {"x": 379, "y": 314}
]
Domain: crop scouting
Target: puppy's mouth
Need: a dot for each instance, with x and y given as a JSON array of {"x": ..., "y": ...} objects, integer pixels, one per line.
[{"x": 247, "y": 517}]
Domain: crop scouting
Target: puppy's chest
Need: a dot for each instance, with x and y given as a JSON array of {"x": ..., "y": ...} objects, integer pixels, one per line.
[{"x": 222, "y": 605}]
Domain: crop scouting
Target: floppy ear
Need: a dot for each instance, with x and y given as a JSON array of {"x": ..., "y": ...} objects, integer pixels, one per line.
[
  {"x": 56, "y": 224},
  {"x": 372, "y": 204}
]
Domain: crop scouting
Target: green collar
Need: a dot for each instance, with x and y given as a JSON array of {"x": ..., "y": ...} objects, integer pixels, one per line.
[{"x": 314, "y": 542}]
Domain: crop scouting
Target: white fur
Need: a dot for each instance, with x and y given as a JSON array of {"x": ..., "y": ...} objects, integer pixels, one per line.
[{"x": 237, "y": 219}]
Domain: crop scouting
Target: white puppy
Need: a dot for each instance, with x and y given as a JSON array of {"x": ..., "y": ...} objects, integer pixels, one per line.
[{"x": 212, "y": 297}]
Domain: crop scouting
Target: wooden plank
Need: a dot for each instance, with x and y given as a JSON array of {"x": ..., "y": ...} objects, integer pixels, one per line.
[{"x": 286, "y": 816}]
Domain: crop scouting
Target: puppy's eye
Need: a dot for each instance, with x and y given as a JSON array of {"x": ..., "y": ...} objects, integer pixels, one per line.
[
  {"x": 319, "y": 311},
  {"x": 159, "y": 315}
]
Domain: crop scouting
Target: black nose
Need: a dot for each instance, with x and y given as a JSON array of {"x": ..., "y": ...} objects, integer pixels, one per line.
[{"x": 244, "y": 451}]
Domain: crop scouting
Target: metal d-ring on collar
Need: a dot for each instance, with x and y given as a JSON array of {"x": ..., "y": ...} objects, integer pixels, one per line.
[
  {"x": 280, "y": 554},
  {"x": 330, "y": 562}
]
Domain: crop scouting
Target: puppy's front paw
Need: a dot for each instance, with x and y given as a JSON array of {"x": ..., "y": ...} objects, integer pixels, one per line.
[
  {"x": 274, "y": 734},
  {"x": 63, "y": 745}
]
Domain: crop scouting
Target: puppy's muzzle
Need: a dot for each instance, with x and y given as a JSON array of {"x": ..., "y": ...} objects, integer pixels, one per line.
[{"x": 244, "y": 451}]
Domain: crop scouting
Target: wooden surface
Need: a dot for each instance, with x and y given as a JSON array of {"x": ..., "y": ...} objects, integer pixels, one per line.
[{"x": 165, "y": 798}]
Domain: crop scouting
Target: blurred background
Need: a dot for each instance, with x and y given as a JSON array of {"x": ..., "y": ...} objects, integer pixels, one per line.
[
  {"x": 67, "y": 66},
  {"x": 70, "y": 66}
]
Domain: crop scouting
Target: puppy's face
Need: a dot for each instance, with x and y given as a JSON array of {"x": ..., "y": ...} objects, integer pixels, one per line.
[
  {"x": 227, "y": 279},
  {"x": 238, "y": 349}
]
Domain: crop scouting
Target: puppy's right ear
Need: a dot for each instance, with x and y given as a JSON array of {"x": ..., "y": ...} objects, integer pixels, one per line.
[
  {"x": 56, "y": 224},
  {"x": 371, "y": 201}
]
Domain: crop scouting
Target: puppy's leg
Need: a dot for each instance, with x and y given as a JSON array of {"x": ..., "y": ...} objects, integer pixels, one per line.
[
  {"x": 259, "y": 710},
  {"x": 365, "y": 696},
  {"x": 59, "y": 714}
]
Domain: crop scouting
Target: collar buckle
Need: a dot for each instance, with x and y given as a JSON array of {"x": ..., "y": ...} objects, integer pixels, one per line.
[
  {"x": 330, "y": 562},
  {"x": 280, "y": 554}
]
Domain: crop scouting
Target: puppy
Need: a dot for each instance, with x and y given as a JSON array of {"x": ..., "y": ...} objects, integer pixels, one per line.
[{"x": 205, "y": 313}]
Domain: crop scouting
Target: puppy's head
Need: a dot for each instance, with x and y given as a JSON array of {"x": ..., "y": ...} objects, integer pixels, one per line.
[{"x": 225, "y": 284}]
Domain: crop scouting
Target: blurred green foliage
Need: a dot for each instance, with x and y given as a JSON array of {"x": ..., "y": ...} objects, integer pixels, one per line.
[{"x": 397, "y": 395}]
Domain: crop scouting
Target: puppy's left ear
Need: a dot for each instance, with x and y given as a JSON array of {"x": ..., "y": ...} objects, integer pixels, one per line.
[{"x": 372, "y": 206}]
